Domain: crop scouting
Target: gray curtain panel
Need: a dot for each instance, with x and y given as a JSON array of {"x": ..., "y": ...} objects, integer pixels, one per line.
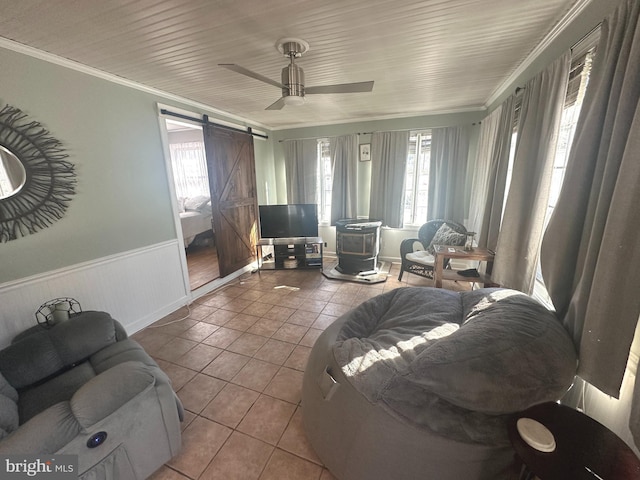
[
  {"x": 344, "y": 160},
  {"x": 388, "y": 167},
  {"x": 301, "y": 165},
  {"x": 590, "y": 253},
  {"x": 517, "y": 251},
  {"x": 498, "y": 164},
  {"x": 448, "y": 196}
]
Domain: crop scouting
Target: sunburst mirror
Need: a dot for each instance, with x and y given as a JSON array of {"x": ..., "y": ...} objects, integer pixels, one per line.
[{"x": 36, "y": 179}]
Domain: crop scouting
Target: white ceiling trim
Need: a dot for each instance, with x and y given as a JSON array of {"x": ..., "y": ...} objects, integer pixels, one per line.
[
  {"x": 566, "y": 20},
  {"x": 79, "y": 67}
]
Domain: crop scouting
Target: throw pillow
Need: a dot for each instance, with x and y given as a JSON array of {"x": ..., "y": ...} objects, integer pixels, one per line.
[{"x": 446, "y": 236}]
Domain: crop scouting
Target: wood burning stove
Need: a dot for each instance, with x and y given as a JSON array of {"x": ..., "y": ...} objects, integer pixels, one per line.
[{"x": 357, "y": 246}]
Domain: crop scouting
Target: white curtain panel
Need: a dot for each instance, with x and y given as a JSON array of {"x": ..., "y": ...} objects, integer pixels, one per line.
[
  {"x": 590, "y": 253},
  {"x": 301, "y": 165},
  {"x": 448, "y": 195},
  {"x": 388, "y": 167},
  {"x": 487, "y": 199},
  {"x": 518, "y": 247},
  {"x": 189, "y": 166},
  {"x": 480, "y": 175},
  {"x": 344, "y": 161}
]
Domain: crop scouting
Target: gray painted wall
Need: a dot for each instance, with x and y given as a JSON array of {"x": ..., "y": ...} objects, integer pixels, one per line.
[{"x": 112, "y": 135}]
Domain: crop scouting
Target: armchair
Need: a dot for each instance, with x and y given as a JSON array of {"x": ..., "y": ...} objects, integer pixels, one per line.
[
  {"x": 420, "y": 261},
  {"x": 83, "y": 388}
]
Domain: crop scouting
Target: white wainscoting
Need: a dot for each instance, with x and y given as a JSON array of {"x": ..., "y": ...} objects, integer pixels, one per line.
[{"x": 136, "y": 287}]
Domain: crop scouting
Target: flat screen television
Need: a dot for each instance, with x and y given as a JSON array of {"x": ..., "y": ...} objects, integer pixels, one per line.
[{"x": 296, "y": 220}]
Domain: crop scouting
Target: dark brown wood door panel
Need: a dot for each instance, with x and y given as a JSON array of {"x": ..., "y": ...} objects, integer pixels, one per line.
[{"x": 234, "y": 202}]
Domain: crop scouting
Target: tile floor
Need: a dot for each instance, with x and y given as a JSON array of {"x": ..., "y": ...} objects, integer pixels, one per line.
[{"x": 237, "y": 363}]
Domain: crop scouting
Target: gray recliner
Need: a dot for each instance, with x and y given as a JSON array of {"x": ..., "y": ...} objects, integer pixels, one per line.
[{"x": 62, "y": 389}]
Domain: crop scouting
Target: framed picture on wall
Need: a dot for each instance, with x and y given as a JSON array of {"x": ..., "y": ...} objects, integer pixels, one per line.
[{"x": 365, "y": 152}]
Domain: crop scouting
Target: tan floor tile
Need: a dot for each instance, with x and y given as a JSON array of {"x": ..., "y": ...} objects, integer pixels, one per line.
[
  {"x": 303, "y": 317},
  {"x": 293, "y": 301},
  {"x": 199, "y": 331},
  {"x": 255, "y": 375},
  {"x": 310, "y": 337},
  {"x": 226, "y": 365},
  {"x": 298, "y": 358},
  {"x": 198, "y": 357},
  {"x": 322, "y": 296},
  {"x": 343, "y": 298},
  {"x": 188, "y": 418},
  {"x": 241, "y": 458},
  {"x": 242, "y": 322},
  {"x": 323, "y": 321},
  {"x": 222, "y": 338},
  {"x": 284, "y": 465},
  {"x": 327, "y": 475},
  {"x": 173, "y": 327},
  {"x": 215, "y": 300},
  {"x": 295, "y": 440},
  {"x": 336, "y": 309},
  {"x": 236, "y": 305},
  {"x": 251, "y": 295},
  {"x": 200, "y": 442},
  {"x": 231, "y": 405},
  {"x": 257, "y": 308},
  {"x": 165, "y": 473},
  {"x": 198, "y": 311},
  {"x": 278, "y": 312},
  {"x": 286, "y": 385},
  {"x": 178, "y": 375},
  {"x": 196, "y": 394},
  {"x": 219, "y": 317},
  {"x": 290, "y": 333},
  {"x": 174, "y": 349},
  {"x": 151, "y": 340},
  {"x": 247, "y": 344},
  {"x": 275, "y": 351},
  {"x": 265, "y": 327},
  {"x": 267, "y": 419}
]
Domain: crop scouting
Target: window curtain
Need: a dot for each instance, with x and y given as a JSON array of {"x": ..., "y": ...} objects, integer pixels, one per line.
[
  {"x": 517, "y": 251},
  {"x": 448, "y": 195},
  {"x": 344, "y": 161},
  {"x": 388, "y": 167},
  {"x": 301, "y": 165},
  {"x": 189, "y": 166},
  {"x": 488, "y": 189},
  {"x": 590, "y": 253}
]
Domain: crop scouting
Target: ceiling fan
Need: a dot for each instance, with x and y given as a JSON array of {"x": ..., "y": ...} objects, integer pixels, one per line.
[{"x": 293, "y": 89}]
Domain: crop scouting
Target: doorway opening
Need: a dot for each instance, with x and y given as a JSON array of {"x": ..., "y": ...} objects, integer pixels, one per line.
[{"x": 193, "y": 196}]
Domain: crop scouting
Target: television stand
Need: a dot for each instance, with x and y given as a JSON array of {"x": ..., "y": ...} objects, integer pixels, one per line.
[{"x": 289, "y": 253}]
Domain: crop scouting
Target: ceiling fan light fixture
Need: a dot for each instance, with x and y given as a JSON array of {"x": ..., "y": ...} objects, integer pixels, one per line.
[{"x": 293, "y": 100}]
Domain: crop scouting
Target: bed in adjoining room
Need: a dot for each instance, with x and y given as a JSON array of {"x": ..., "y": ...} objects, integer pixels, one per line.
[{"x": 195, "y": 217}]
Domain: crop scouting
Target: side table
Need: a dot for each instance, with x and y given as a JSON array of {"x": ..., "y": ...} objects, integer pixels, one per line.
[
  {"x": 448, "y": 251},
  {"x": 585, "y": 449}
]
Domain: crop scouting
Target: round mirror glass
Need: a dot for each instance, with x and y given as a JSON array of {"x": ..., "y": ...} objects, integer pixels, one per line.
[{"x": 12, "y": 173}]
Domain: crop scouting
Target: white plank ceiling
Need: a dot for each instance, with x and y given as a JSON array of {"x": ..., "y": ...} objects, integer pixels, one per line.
[{"x": 425, "y": 56}]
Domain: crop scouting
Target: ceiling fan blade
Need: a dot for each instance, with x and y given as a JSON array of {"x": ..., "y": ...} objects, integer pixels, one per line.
[
  {"x": 341, "y": 88},
  {"x": 238, "y": 69},
  {"x": 277, "y": 105}
]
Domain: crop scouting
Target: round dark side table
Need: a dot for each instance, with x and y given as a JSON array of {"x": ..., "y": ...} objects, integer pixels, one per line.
[{"x": 585, "y": 449}]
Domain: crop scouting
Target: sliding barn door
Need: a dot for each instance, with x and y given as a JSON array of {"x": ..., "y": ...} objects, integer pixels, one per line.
[{"x": 232, "y": 180}]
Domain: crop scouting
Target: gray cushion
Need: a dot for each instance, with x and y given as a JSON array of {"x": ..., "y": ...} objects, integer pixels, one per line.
[
  {"x": 7, "y": 390},
  {"x": 43, "y": 353},
  {"x": 9, "y": 417},
  {"x": 446, "y": 236},
  {"x": 509, "y": 354}
]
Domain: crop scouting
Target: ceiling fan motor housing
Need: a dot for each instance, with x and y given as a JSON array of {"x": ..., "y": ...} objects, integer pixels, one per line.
[{"x": 293, "y": 80}]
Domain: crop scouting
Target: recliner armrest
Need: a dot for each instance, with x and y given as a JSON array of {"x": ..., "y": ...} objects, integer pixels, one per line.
[
  {"x": 107, "y": 392},
  {"x": 45, "y": 433}
]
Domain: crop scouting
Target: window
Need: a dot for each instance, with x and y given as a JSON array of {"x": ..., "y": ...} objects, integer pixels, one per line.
[
  {"x": 416, "y": 193},
  {"x": 324, "y": 181}
]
